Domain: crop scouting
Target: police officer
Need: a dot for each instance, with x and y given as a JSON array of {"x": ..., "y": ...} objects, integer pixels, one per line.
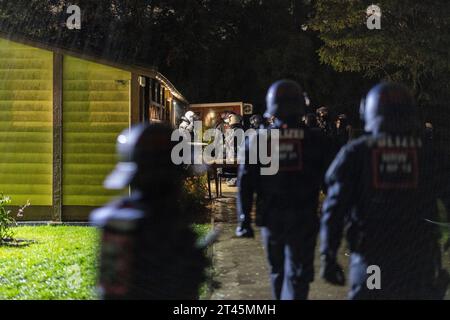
[
  {"x": 429, "y": 131},
  {"x": 382, "y": 188},
  {"x": 287, "y": 202},
  {"x": 148, "y": 250},
  {"x": 235, "y": 123},
  {"x": 311, "y": 121},
  {"x": 224, "y": 122},
  {"x": 323, "y": 119},
  {"x": 188, "y": 123},
  {"x": 231, "y": 143},
  {"x": 329, "y": 131},
  {"x": 344, "y": 131}
]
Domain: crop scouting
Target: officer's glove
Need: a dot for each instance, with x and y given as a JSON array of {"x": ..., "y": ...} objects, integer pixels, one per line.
[
  {"x": 245, "y": 231},
  {"x": 332, "y": 272}
]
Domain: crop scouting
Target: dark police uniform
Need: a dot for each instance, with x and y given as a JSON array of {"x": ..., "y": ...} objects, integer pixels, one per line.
[
  {"x": 146, "y": 254},
  {"x": 343, "y": 133},
  {"x": 287, "y": 203},
  {"x": 382, "y": 188},
  {"x": 330, "y": 132},
  {"x": 148, "y": 250}
]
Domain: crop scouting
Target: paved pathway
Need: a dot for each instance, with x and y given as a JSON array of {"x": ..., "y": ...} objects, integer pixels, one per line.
[{"x": 240, "y": 265}]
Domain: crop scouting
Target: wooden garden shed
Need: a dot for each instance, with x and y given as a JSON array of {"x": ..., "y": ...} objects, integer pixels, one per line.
[{"x": 60, "y": 114}]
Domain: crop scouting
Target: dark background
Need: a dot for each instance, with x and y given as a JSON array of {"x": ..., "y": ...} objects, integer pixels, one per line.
[{"x": 232, "y": 50}]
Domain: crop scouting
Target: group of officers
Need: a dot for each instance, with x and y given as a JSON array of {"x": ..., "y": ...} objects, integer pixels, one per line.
[{"x": 381, "y": 190}]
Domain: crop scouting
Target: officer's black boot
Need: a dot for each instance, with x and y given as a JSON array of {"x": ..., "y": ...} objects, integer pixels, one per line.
[{"x": 244, "y": 230}]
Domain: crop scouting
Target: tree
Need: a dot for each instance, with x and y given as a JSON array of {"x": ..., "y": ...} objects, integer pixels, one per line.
[
  {"x": 412, "y": 46},
  {"x": 213, "y": 50}
]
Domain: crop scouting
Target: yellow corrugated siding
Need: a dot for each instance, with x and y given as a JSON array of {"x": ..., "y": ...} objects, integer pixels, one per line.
[
  {"x": 26, "y": 99},
  {"x": 96, "y": 103}
]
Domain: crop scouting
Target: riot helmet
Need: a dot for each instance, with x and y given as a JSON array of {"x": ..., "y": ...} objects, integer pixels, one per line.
[
  {"x": 390, "y": 108},
  {"x": 323, "y": 114},
  {"x": 234, "y": 119},
  {"x": 429, "y": 131},
  {"x": 342, "y": 121},
  {"x": 145, "y": 163},
  {"x": 256, "y": 121},
  {"x": 190, "y": 116},
  {"x": 285, "y": 102}
]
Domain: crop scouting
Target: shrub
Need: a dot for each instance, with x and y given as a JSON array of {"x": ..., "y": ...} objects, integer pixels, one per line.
[
  {"x": 194, "y": 198},
  {"x": 7, "y": 221}
]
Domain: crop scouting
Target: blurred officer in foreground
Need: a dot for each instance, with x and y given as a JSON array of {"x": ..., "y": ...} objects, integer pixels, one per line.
[
  {"x": 287, "y": 203},
  {"x": 148, "y": 250},
  {"x": 382, "y": 188}
]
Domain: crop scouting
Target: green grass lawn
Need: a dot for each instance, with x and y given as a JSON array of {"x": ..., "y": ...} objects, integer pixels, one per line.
[{"x": 62, "y": 264}]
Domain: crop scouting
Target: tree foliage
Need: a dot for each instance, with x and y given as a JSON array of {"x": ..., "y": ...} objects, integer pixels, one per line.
[
  {"x": 412, "y": 45},
  {"x": 223, "y": 50}
]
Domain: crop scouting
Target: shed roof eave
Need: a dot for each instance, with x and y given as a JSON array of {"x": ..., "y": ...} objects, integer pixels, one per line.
[{"x": 141, "y": 70}]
